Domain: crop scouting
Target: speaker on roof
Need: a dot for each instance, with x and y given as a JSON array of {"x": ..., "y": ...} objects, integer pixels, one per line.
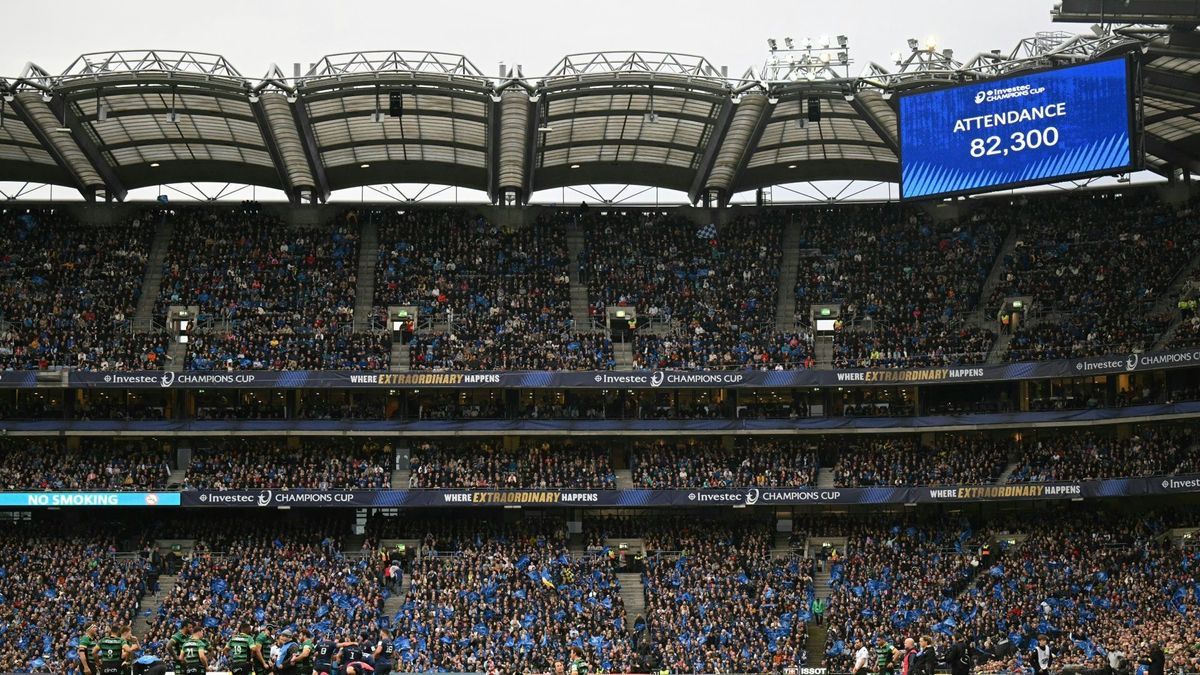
[
  {"x": 814, "y": 109},
  {"x": 396, "y": 104}
]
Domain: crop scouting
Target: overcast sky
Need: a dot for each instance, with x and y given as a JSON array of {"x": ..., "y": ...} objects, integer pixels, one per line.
[{"x": 252, "y": 34}]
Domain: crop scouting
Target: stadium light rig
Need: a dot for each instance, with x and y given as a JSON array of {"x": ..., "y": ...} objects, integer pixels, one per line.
[{"x": 807, "y": 59}]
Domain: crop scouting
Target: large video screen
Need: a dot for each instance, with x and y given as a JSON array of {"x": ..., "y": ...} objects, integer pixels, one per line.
[{"x": 1037, "y": 127}]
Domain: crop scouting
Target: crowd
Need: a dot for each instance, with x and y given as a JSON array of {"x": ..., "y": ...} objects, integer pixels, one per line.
[
  {"x": 715, "y": 287},
  {"x": 717, "y": 600},
  {"x": 92, "y": 464},
  {"x": 1147, "y": 451},
  {"x": 701, "y": 463},
  {"x": 68, "y": 293},
  {"x": 1095, "y": 267},
  {"x": 54, "y": 583},
  {"x": 328, "y": 463},
  {"x": 285, "y": 575},
  {"x": 489, "y": 597},
  {"x": 904, "y": 283},
  {"x": 496, "y": 299},
  {"x": 490, "y": 464},
  {"x": 906, "y": 460},
  {"x": 270, "y": 295}
]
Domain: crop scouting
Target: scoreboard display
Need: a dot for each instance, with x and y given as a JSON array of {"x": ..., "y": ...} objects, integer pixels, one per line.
[{"x": 1036, "y": 127}]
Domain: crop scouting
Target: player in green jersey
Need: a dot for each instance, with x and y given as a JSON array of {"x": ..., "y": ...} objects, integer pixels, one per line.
[
  {"x": 175, "y": 644},
  {"x": 261, "y": 650},
  {"x": 86, "y": 650},
  {"x": 238, "y": 651},
  {"x": 195, "y": 653},
  {"x": 302, "y": 660},
  {"x": 112, "y": 652}
]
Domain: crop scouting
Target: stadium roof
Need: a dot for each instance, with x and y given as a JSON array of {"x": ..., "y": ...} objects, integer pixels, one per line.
[{"x": 115, "y": 121}]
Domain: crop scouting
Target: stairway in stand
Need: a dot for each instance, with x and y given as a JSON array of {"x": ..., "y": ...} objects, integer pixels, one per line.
[
  {"x": 143, "y": 316},
  {"x": 633, "y": 595},
  {"x": 789, "y": 268},
  {"x": 150, "y": 603},
  {"x": 401, "y": 358},
  {"x": 364, "y": 289},
  {"x": 579, "y": 296}
]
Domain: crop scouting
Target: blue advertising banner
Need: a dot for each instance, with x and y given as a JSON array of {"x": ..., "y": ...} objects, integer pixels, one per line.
[
  {"x": 1035, "y": 127},
  {"x": 70, "y": 499}
]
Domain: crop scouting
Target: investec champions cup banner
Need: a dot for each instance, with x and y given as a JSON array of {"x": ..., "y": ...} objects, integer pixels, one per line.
[
  {"x": 1131, "y": 487},
  {"x": 645, "y": 379}
]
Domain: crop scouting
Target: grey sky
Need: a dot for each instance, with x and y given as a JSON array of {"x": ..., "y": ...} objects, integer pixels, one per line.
[{"x": 255, "y": 33}]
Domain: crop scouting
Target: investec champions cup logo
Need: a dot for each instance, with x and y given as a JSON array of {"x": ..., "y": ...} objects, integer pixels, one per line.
[
  {"x": 1131, "y": 363},
  {"x": 657, "y": 378},
  {"x": 980, "y": 96},
  {"x": 168, "y": 379},
  {"x": 752, "y": 497},
  {"x": 264, "y": 498}
]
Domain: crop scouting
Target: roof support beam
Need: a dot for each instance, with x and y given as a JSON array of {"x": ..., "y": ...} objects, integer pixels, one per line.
[
  {"x": 26, "y": 105},
  {"x": 493, "y": 150},
  {"x": 312, "y": 151},
  {"x": 1171, "y": 153},
  {"x": 540, "y": 109},
  {"x": 79, "y": 132},
  {"x": 749, "y": 120},
  {"x": 264, "y": 127},
  {"x": 887, "y": 135},
  {"x": 715, "y": 139},
  {"x": 1186, "y": 84}
]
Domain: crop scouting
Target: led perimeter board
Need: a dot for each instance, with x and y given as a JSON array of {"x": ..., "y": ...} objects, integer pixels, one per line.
[{"x": 1037, "y": 127}]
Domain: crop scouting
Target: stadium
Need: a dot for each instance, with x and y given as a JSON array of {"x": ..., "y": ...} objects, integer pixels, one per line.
[{"x": 384, "y": 364}]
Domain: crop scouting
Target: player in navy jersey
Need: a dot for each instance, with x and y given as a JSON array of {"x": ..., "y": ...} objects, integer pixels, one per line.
[{"x": 385, "y": 653}]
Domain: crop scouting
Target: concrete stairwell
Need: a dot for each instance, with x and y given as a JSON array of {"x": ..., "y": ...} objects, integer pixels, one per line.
[
  {"x": 623, "y": 353},
  {"x": 824, "y": 352},
  {"x": 143, "y": 317},
  {"x": 176, "y": 357},
  {"x": 579, "y": 296},
  {"x": 364, "y": 289},
  {"x": 400, "y": 478},
  {"x": 817, "y": 633},
  {"x": 1167, "y": 302},
  {"x": 633, "y": 595},
  {"x": 624, "y": 479},
  {"x": 394, "y": 602},
  {"x": 1007, "y": 473},
  {"x": 789, "y": 268},
  {"x": 175, "y": 480},
  {"x": 999, "y": 347},
  {"x": 400, "y": 358},
  {"x": 997, "y": 271},
  {"x": 150, "y": 603},
  {"x": 825, "y": 478}
]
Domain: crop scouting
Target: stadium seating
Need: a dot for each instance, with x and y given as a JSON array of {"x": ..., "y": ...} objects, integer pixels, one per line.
[
  {"x": 700, "y": 463},
  {"x": 507, "y": 596},
  {"x": 96, "y": 464},
  {"x": 1095, "y": 266},
  {"x": 247, "y": 464},
  {"x": 717, "y": 600},
  {"x": 904, "y": 283},
  {"x": 285, "y": 574},
  {"x": 489, "y": 464},
  {"x": 1148, "y": 451},
  {"x": 949, "y": 460},
  {"x": 53, "y": 583},
  {"x": 270, "y": 296},
  {"x": 68, "y": 293},
  {"x": 496, "y": 299}
]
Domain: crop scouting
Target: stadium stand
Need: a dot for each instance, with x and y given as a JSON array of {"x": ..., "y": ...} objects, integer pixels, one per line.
[
  {"x": 490, "y": 596},
  {"x": 270, "y": 296},
  {"x": 497, "y": 299},
  {"x": 92, "y": 464},
  {"x": 702, "y": 463},
  {"x": 1095, "y": 266},
  {"x": 904, "y": 283},
  {"x": 69, "y": 292},
  {"x": 533, "y": 465},
  {"x": 328, "y": 463}
]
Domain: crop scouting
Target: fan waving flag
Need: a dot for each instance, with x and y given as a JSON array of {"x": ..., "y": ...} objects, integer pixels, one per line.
[{"x": 707, "y": 232}]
